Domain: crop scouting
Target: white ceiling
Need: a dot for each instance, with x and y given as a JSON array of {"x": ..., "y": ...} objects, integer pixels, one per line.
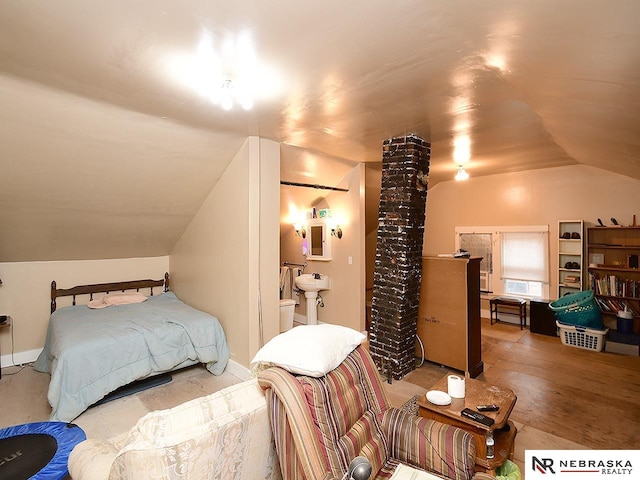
[{"x": 98, "y": 127}]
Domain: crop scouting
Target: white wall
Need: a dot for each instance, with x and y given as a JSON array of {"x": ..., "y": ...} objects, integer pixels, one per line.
[
  {"x": 221, "y": 263},
  {"x": 26, "y": 295}
]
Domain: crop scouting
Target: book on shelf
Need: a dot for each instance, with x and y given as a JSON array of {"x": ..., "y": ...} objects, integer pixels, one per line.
[
  {"x": 614, "y": 305},
  {"x": 572, "y": 280},
  {"x": 612, "y": 285}
]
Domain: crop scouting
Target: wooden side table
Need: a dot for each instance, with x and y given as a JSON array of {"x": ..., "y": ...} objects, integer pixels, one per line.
[
  {"x": 5, "y": 324},
  {"x": 478, "y": 393}
]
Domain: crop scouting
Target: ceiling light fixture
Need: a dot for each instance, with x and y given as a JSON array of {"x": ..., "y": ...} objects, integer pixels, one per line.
[
  {"x": 229, "y": 95},
  {"x": 462, "y": 174},
  {"x": 226, "y": 75},
  {"x": 227, "y": 71}
]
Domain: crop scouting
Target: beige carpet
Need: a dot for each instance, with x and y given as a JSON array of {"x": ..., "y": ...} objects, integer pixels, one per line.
[{"x": 24, "y": 397}]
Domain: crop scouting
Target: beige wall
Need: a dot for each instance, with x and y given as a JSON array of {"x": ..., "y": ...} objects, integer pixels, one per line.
[
  {"x": 344, "y": 303},
  {"x": 537, "y": 197},
  {"x": 25, "y": 294},
  {"x": 221, "y": 263}
]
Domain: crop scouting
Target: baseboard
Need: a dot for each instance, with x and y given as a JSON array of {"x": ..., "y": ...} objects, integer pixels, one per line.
[
  {"x": 622, "y": 348},
  {"x": 511, "y": 318},
  {"x": 237, "y": 370},
  {"x": 19, "y": 358}
]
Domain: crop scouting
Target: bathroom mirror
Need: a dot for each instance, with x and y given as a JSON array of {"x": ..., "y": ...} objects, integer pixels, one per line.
[{"x": 319, "y": 241}]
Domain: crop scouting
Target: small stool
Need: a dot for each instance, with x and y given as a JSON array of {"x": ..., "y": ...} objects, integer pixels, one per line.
[{"x": 509, "y": 303}]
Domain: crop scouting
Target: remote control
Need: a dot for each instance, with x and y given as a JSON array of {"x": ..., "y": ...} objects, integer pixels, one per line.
[
  {"x": 488, "y": 408},
  {"x": 477, "y": 417}
]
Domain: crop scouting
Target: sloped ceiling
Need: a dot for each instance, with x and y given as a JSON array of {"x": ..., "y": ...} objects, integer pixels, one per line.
[{"x": 105, "y": 152}]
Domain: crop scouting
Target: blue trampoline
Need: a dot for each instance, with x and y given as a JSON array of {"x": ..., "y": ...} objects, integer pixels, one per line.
[{"x": 38, "y": 450}]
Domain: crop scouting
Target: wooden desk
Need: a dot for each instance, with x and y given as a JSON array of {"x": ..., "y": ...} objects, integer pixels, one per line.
[
  {"x": 4, "y": 325},
  {"x": 478, "y": 393},
  {"x": 510, "y": 303}
]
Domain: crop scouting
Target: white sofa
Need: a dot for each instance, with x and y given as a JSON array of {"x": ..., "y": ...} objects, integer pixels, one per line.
[{"x": 225, "y": 435}]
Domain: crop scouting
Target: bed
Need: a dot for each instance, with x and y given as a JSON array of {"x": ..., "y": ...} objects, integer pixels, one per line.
[{"x": 90, "y": 352}]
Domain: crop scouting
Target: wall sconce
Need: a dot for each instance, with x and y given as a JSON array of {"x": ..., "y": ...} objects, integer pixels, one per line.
[
  {"x": 300, "y": 231},
  {"x": 336, "y": 231}
]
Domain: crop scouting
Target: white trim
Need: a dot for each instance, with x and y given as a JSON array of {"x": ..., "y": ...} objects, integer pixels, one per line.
[
  {"x": 496, "y": 231},
  {"x": 504, "y": 228},
  {"x": 237, "y": 370},
  {"x": 19, "y": 358}
]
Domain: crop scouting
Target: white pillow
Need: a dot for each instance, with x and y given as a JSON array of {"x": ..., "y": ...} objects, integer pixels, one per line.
[
  {"x": 312, "y": 350},
  {"x": 117, "y": 298}
]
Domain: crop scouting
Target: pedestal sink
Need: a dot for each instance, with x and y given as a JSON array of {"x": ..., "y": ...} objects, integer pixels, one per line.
[{"x": 311, "y": 284}]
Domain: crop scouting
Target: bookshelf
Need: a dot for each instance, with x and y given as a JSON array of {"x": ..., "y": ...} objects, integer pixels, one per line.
[
  {"x": 570, "y": 256},
  {"x": 613, "y": 270}
]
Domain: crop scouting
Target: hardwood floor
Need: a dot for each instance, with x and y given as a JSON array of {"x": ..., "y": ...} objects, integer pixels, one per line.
[{"x": 584, "y": 398}]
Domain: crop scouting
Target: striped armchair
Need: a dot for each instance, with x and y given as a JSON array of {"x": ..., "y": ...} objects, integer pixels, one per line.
[{"x": 321, "y": 424}]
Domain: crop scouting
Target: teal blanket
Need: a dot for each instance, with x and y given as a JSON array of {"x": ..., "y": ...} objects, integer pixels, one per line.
[{"x": 90, "y": 353}]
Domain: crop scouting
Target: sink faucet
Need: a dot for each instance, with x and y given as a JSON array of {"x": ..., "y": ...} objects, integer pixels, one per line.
[{"x": 316, "y": 276}]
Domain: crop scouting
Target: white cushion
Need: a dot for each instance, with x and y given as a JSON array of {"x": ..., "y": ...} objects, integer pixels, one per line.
[
  {"x": 164, "y": 428},
  {"x": 312, "y": 350},
  {"x": 209, "y": 437}
]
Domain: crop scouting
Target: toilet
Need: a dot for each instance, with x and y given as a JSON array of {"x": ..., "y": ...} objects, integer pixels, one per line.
[{"x": 287, "y": 308}]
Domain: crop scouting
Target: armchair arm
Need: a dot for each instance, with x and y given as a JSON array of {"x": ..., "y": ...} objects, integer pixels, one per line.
[
  {"x": 92, "y": 460},
  {"x": 433, "y": 446},
  {"x": 299, "y": 443}
]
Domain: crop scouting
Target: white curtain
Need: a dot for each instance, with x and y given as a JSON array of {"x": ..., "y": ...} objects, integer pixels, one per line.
[{"x": 525, "y": 256}]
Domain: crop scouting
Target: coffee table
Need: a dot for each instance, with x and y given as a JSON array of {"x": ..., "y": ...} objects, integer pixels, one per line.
[{"x": 478, "y": 393}]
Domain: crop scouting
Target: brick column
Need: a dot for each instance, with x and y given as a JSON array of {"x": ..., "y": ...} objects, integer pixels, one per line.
[{"x": 398, "y": 264}]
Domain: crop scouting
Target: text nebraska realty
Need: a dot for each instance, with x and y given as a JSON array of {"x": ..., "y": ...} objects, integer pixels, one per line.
[{"x": 606, "y": 467}]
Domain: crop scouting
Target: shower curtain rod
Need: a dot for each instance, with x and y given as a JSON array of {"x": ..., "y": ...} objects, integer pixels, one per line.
[{"x": 309, "y": 185}]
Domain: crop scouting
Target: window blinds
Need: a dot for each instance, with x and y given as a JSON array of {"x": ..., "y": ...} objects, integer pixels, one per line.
[{"x": 524, "y": 256}]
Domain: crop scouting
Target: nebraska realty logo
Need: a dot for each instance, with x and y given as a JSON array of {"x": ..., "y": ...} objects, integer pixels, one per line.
[{"x": 589, "y": 464}]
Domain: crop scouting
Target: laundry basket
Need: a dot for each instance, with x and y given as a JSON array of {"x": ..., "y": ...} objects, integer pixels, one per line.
[
  {"x": 582, "y": 337},
  {"x": 579, "y": 309}
]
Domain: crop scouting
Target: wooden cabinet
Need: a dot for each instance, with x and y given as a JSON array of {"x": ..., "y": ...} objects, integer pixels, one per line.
[
  {"x": 542, "y": 318},
  {"x": 449, "y": 313},
  {"x": 613, "y": 270},
  {"x": 570, "y": 256}
]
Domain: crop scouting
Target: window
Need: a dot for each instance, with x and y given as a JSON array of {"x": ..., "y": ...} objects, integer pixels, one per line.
[
  {"x": 519, "y": 254},
  {"x": 480, "y": 245},
  {"x": 525, "y": 262}
]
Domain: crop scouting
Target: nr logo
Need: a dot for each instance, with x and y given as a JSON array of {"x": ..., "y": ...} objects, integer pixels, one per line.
[{"x": 542, "y": 465}]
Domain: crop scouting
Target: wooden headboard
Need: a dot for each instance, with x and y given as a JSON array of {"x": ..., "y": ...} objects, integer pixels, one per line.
[{"x": 106, "y": 288}]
